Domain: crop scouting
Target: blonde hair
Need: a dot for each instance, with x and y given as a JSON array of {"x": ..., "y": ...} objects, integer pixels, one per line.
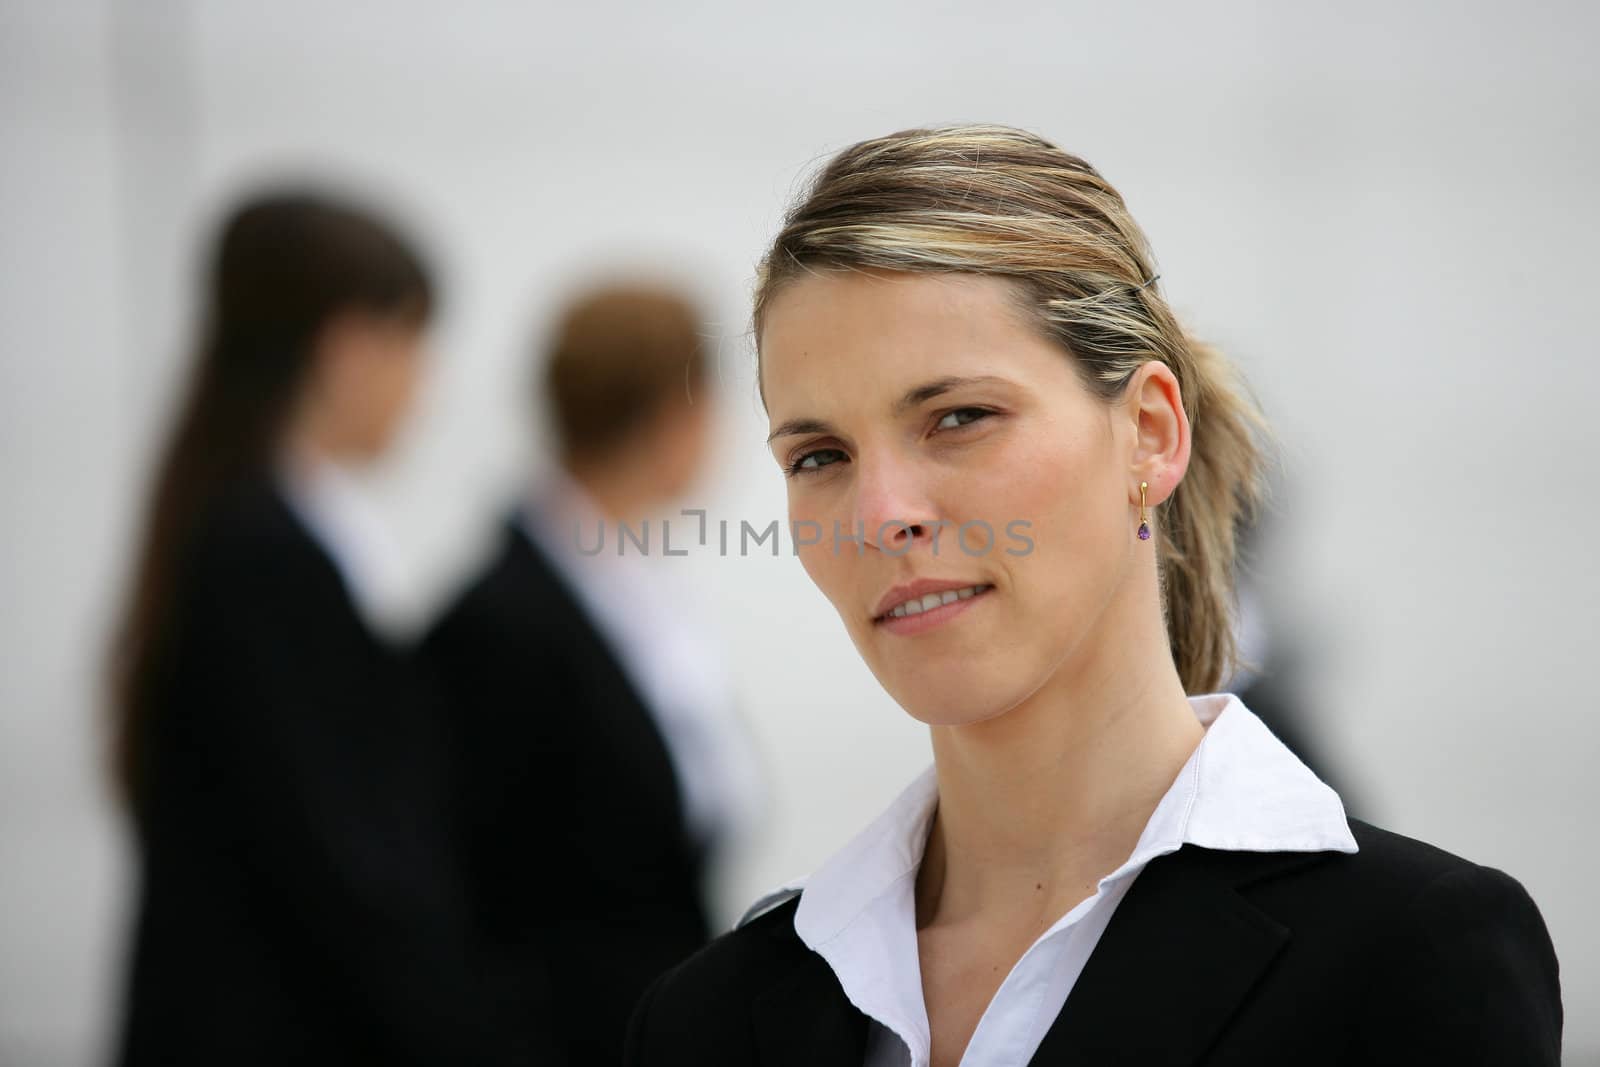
[{"x": 992, "y": 200}]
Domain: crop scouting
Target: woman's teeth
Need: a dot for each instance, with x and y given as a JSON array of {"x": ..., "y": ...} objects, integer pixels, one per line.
[{"x": 933, "y": 600}]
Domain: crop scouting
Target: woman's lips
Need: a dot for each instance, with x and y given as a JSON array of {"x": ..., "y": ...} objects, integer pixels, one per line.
[{"x": 921, "y": 614}]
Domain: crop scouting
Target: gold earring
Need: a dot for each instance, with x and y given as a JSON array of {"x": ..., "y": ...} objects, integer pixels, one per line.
[{"x": 1144, "y": 518}]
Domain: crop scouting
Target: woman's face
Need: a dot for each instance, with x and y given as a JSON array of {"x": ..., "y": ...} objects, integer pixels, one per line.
[
  {"x": 369, "y": 369},
  {"x": 922, "y": 414}
]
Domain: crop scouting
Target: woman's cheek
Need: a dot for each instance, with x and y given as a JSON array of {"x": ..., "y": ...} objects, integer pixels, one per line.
[
  {"x": 816, "y": 567},
  {"x": 810, "y": 543}
]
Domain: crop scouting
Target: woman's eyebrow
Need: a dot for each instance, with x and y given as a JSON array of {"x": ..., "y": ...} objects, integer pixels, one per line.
[
  {"x": 796, "y": 426},
  {"x": 928, "y": 390},
  {"x": 916, "y": 395}
]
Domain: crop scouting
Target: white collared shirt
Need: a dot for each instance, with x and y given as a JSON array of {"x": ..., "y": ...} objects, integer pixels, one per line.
[
  {"x": 335, "y": 506},
  {"x": 674, "y": 662},
  {"x": 1241, "y": 790}
]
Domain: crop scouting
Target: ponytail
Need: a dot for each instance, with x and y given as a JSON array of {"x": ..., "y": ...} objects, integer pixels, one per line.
[{"x": 1199, "y": 524}]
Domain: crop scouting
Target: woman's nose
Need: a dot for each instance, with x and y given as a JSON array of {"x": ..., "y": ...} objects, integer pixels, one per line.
[{"x": 893, "y": 508}]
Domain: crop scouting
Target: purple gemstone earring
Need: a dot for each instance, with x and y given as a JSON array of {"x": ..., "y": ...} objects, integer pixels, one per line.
[{"x": 1144, "y": 519}]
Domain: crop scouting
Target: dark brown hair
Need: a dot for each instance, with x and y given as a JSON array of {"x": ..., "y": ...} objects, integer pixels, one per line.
[{"x": 282, "y": 265}]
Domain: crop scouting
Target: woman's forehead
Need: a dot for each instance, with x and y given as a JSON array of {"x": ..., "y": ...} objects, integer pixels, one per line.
[{"x": 837, "y": 337}]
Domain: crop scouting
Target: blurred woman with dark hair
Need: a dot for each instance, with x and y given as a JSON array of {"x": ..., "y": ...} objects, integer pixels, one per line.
[{"x": 298, "y": 902}]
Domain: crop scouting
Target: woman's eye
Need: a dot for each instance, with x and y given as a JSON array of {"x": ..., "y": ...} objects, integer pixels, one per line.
[
  {"x": 960, "y": 417},
  {"x": 816, "y": 460}
]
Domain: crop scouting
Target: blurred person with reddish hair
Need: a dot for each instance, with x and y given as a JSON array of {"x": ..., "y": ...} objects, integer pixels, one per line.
[
  {"x": 598, "y": 759},
  {"x": 298, "y": 900}
]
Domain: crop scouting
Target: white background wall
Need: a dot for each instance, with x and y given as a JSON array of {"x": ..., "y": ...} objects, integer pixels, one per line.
[{"x": 1385, "y": 210}]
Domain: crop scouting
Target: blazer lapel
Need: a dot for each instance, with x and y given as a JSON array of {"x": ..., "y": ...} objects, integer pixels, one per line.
[
  {"x": 1179, "y": 957},
  {"x": 805, "y": 1020}
]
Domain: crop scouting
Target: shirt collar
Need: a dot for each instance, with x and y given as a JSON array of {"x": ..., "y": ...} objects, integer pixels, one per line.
[
  {"x": 334, "y": 505},
  {"x": 1241, "y": 790}
]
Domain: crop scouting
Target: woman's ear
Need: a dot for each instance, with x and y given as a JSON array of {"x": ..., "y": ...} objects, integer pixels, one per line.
[{"x": 1153, "y": 403}]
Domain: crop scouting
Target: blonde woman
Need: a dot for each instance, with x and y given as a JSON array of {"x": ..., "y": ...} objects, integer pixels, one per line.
[{"x": 1033, "y": 477}]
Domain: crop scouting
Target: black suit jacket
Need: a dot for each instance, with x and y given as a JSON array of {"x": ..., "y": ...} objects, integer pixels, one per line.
[
  {"x": 1400, "y": 953},
  {"x": 582, "y": 876},
  {"x": 298, "y": 901}
]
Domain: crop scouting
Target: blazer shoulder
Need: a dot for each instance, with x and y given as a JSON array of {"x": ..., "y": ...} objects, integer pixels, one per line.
[
  {"x": 1383, "y": 883},
  {"x": 1401, "y": 864},
  {"x": 248, "y": 549},
  {"x": 741, "y": 961},
  {"x": 248, "y": 524},
  {"x": 510, "y": 570},
  {"x": 703, "y": 1009},
  {"x": 1458, "y": 937},
  {"x": 1405, "y": 872},
  {"x": 497, "y": 593}
]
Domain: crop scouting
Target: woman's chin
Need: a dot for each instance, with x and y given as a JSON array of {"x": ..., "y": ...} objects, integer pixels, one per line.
[{"x": 953, "y": 705}]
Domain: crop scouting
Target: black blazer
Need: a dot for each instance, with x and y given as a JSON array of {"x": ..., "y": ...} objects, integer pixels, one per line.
[
  {"x": 582, "y": 876},
  {"x": 1400, "y": 953},
  {"x": 298, "y": 902}
]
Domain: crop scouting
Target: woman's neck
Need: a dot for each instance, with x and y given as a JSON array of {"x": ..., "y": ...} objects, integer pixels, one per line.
[{"x": 1038, "y": 803}]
